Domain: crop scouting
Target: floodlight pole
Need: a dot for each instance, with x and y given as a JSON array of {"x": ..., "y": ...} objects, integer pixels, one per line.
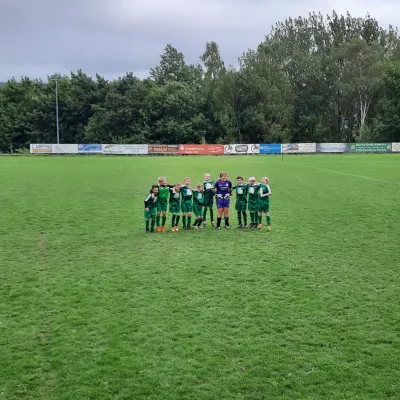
[
  {"x": 58, "y": 125},
  {"x": 57, "y": 120}
]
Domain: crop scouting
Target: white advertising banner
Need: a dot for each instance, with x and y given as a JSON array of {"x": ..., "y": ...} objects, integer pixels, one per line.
[
  {"x": 125, "y": 149},
  {"x": 65, "y": 148},
  {"x": 242, "y": 149},
  {"x": 396, "y": 147},
  {"x": 296, "y": 148},
  {"x": 333, "y": 147},
  {"x": 41, "y": 148}
]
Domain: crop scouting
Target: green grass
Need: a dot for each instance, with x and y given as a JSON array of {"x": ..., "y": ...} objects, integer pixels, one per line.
[{"x": 102, "y": 310}]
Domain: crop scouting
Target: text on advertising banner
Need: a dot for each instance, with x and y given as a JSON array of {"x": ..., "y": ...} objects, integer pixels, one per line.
[
  {"x": 201, "y": 149},
  {"x": 41, "y": 148},
  {"x": 163, "y": 149},
  {"x": 242, "y": 149},
  {"x": 65, "y": 148},
  {"x": 296, "y": 148},
  {"x": 89, "y": 148},
  {"x": 270, "y": 148},
  {"x": 370, "y": 147},
  {"x": 333, "y": 147},
  {"x": 125, "y": 149}
]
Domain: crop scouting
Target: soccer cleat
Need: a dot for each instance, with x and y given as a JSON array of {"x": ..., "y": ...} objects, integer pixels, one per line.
[
  {"x": 259, "y": 226},
  {"x": 246, "y": 227},
  {"x": 152, "y": 231},
  {"x": 176, "y": 229},
  {"x": 240, "y": 226},
  {"x": 201, "y": 227},
  {"x": 195, "y": 227},
  {"x": 163, "y": 229},
  {"x": 158, "y": 228},
  {"x": 184, "y": 228},
  {"x": 218, "y": 227},
  {"x": 204, "y": 223},
  {"x": 226, "y": 226},
  {"x": 255, "y": 225},
  {"x": 212, "y": 223},
  {"x": 269, "y": 228},
  {"x": 173, "y": 229}
]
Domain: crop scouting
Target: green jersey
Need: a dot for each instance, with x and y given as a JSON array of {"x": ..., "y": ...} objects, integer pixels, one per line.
[
  {"x": 174, "y": 197},
  {"x": 253, "y": 193},
  {"x": 263, "y": 190},
  {"x": 163, "y": 192},
  {"x": 198, "y": 198},
  {"x": 150, "y": 202},
  {"x": 241, "y": 193},
  {"x": 186, "y": 193},
  {"x": 208, "y": 186}
]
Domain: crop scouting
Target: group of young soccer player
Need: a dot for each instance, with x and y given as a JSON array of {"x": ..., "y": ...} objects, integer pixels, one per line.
[{"x": 182, "y": 199}]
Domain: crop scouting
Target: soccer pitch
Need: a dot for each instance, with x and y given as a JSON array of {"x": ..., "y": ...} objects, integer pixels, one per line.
[{"x": 92, "y": 307}]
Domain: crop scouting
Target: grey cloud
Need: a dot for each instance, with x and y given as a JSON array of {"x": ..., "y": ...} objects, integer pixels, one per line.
[{"x": 111, "y": 37}]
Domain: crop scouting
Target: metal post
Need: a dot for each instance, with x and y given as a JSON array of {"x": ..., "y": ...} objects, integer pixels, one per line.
[{"x": 58, "y": 127}]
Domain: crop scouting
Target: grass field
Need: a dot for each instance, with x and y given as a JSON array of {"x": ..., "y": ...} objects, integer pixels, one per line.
[{"x": 97, "y": 309}]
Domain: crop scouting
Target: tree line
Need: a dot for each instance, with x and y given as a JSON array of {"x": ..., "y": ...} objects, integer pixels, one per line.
[{"x": 333, "y": 78}]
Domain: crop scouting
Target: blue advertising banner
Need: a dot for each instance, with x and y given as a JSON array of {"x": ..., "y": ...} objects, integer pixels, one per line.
[
  {"x": 89, "y": 148},
  {"x": 270, "y": 148},
  {"x": 333, "y": 147}
]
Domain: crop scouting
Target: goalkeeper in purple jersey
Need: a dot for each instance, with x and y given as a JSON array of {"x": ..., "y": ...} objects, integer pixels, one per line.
[{"x": 223, "y": 191}]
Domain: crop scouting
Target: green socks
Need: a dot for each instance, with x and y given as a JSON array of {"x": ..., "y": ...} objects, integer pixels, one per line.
[
  {"x": 164, "y": 219},
  {"x": 152, "y": 224},
  {"x": 268, "y": 220},
  {"x": 158, "y": 220},
  {"x": 245, "y": 218},
  {"x": 147, "y": 225},
  {"x": 173, "y": 220},
  {"x": 178, "y": 217},
  {"x": 189, "y": 221},
  {"x": 239, "y": 218},
  {"x": 184, "y": 220},
  {"x": 259, "y": 219},
  {"x": 204, "y": 214}
]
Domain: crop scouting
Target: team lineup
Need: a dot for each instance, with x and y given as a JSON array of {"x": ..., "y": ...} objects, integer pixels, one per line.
[{"x": 251, "y": 196}]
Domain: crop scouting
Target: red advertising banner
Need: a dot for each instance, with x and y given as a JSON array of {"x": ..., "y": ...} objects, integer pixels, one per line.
[
  {"x": 163, "y": 149},
  {"x": 201, "y": 149}
]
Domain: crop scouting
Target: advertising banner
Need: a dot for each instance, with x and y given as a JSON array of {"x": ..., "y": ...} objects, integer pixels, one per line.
[
  {"x": 242, "y": 149},
  {"x": 125, "y": 148},
  {"x": 270, "y": 148},
  {"x": 65, "y": 148},
  {"x": 41, "y": 148},
  {"x": 396, "y": 147},
  {"x": 201, "y": 149},
  {"x": 163, "y": 149},
  {"x": 297, "y": 148},
  {"x": 370, "y": 147},
  {"x": 89, "y": 148},
  {"x": 333, "y": 147}
]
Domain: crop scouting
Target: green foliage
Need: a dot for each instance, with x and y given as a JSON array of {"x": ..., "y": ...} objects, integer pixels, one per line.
[{"x": 314, "y": 79}]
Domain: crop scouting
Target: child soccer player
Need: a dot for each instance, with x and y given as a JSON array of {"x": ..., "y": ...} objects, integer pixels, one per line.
[
  {"x": 208, "y": 198},
  {"x": 223, "y": 191},
  {"x": 198, "y": 203},
  {"x": 186, "y": 203},
  {"x": 150, "y": 205},
  {"x": 263, "y": 203},
  {"x": 162, "y": 203},
  {"x": 253, "y": 190},
  {"x": 174, "y": 206},
  {"x": 241, "y": 201}
]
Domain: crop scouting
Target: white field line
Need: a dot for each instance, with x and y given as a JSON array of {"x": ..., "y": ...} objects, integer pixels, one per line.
[{"x": 345, "y": 173}]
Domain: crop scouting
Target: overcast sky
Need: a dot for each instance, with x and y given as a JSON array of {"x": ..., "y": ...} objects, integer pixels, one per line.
[{"x": 111, "y": 37}]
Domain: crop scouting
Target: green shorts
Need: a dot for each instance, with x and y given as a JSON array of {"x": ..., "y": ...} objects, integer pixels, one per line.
[
  {"x": 174, "y": 208},
  {"x": 162, "y": 205},
  {"x": 253, "y": 205},
  {"x": 263, "y": 206},
  {"x": 197, "y": 210},
  {"x": 186, "y": 206},
  {"x": 241, "y": 206},
  {"x": 208, "y": 202},
  {"x": 150, "y": 214}
]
